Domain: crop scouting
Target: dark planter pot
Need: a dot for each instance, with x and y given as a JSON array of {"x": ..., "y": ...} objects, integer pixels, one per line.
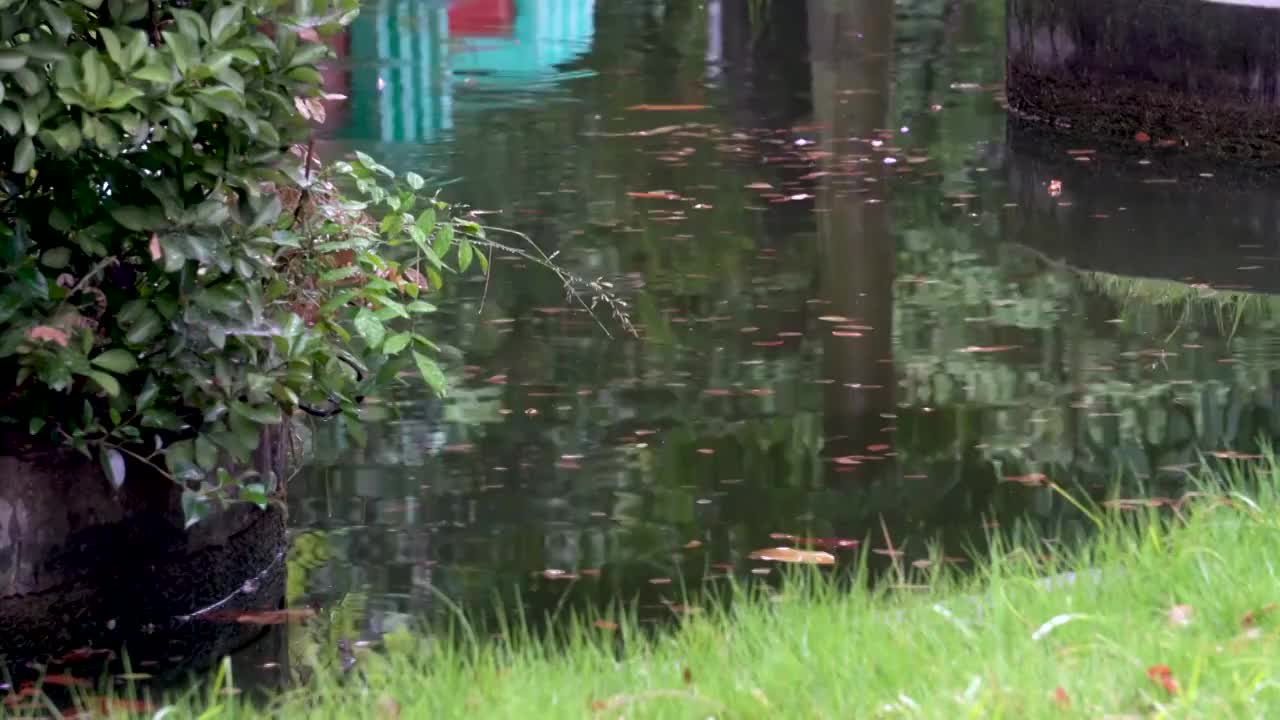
[
  {"x": 85, "y": 566},
  {"x": 1192, "y": 74}
]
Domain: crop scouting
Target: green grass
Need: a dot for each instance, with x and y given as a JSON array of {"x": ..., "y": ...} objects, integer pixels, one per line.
[
  {"x": 1188, "y": 304},
  {"x": 1191, "y": 590}
]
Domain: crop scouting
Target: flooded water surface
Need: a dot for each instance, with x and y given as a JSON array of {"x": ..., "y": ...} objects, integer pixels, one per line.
[{"x": 868, "y": 308}]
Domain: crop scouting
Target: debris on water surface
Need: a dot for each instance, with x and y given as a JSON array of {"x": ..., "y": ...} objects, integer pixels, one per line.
[{"x": 792, "y": 555}]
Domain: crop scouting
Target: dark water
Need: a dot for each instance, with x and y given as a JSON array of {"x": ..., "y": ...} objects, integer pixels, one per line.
[{"x": 867, "y": 307}]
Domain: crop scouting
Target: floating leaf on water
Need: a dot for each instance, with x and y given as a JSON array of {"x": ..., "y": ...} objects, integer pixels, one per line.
[
  {"x": 260, "y": 617},
  {"x": 644, "y": 107},
  {"x": 1233, "y": 455},
  {"x": 1030, "y": 479},
  {"x": 792, "y": 555},
  {"x": 819, "y": 543}
]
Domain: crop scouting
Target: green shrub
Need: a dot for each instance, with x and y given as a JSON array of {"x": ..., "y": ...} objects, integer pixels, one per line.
[{"x": 178, "y": 271}]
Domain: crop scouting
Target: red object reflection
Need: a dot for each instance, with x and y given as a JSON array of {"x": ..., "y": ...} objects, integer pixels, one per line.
[{"x": 493, "y": 18}]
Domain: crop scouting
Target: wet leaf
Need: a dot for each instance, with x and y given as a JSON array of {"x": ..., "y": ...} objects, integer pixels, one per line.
[
  {"x": 1061, "y": 699},
  {"x": 116, "y": 360},
  {"x": 114, "y": 467},
  {"x": 1252, "y": 617},
  {"x": 666, "y": 108},
  {"x": 260, "y": 617},
  {"x": 1030, "y": 479},
  {"x": 1161, "y": 675},
  {"x": 431, "y": 373},
  {"x": 818, "y": 543},
  {"x": 792, "y": 555}
]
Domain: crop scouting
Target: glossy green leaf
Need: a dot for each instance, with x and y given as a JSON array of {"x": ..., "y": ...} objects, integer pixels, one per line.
[
  {"x": 135, "y": 218},
  {"x": 370, "y": 328},
  {"x": 465, "y": 254},
  {"x": 58, "y": 20},
  {"x": 117, "y": 360},
  {"x": 109, "y": 384},
  {"x": 10, "y": 121},
  {"x": 397, "y": 343},
  {"x": 147, "y": 327},
  {"x": 184, "y": 50},
  {"x": 113, "y": 466},
  {"x": 154, "y": 73},
  {"x": 443, "y": 240},
  {"x": 224, "y": 23},
  {"x": 56, "y": 258},
  {"x": 24, "y": 156},
  {"x": 431, "y": 373},
  {"x": 258, "y": 414},
  {"x": 115, "y": 50},
  {"x": 11, "y": 60}
]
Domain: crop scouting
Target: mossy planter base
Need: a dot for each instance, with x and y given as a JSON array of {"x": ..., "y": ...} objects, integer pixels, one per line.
[
  {"x": 85, "y": 566},
  {"x": 1200, "y": 76}
]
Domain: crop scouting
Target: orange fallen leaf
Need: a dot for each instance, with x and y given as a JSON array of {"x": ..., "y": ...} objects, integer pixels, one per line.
[
  {"x": 645, "y": 107},
  {"x": 1163, "y": 676},
  {"x": 1251, "y": 618},
  {"x": 606, "y": 625},
  {"x": 792, "y": 555},
  {"x": 1061, "y": 699},
  {"x": 654, "y": 195}
]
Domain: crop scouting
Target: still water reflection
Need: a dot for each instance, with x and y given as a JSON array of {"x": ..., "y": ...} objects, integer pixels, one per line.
[{"x": 866, "y": 308}]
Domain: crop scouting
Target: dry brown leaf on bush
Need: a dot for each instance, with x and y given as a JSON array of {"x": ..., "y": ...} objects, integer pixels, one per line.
[{"x": 48, "y": 334}]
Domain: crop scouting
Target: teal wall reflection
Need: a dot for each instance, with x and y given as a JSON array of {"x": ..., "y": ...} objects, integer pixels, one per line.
[{"x": 413, "y": 65}]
